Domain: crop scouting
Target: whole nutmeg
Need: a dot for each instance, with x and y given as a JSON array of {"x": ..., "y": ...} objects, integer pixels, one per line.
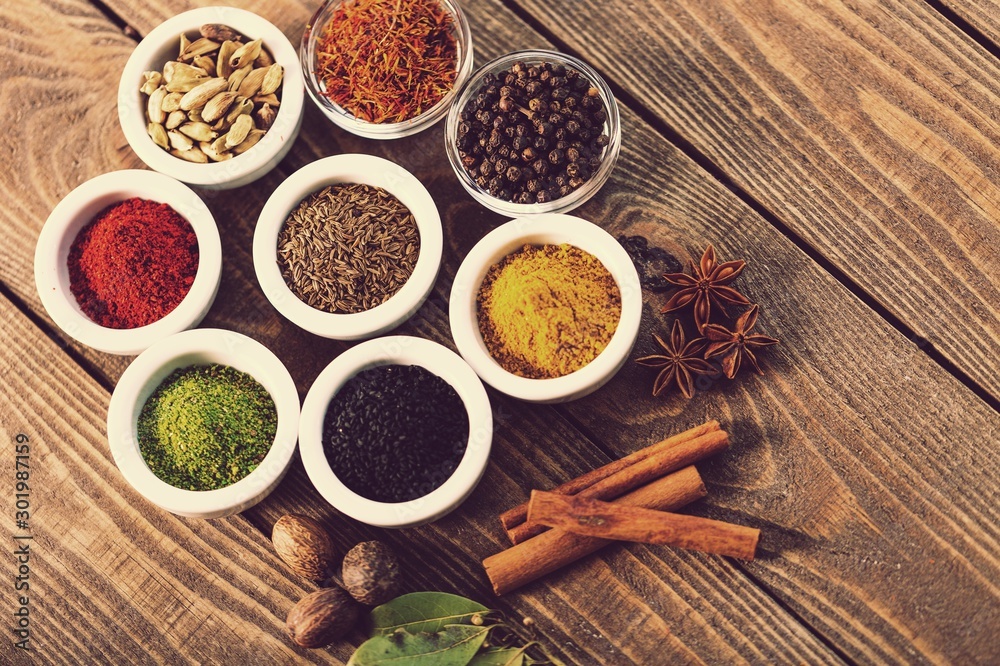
[
  {"x": 305, "y": 546},
  {"x": 371, "y": 573},
  {"x": 321, "y": 617}
]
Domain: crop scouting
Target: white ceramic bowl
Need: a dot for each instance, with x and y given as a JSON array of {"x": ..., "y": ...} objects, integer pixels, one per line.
[
  {"x": 198, "y": 347},
  {"x": 369, "y": 170},
  {"x": 161, "y": 45},
  {"x": 77, "y": 210},
  {"x": 397, "y": 350},
  {"x": 579, "y": 196},
  {"x": 346, "y": 120},
  {"x": 548, "y": 228}
]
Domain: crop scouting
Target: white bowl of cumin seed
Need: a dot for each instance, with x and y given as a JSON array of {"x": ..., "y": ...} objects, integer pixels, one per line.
[{"x": 348, "y": 247}]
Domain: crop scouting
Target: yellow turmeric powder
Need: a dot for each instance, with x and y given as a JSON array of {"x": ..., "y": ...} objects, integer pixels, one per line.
[{"x": 548, "y": 310}]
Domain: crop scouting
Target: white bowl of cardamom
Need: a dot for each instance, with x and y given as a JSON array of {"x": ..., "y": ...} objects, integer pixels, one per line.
[
  {"x": 546, "y": 308},
  {"x": 212, "y": 97},
  {"x": 348, "y": 247}
]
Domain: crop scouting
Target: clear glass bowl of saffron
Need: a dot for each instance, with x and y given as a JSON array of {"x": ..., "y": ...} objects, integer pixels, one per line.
[
  {"x": 126, "y": 259},
  {"x": 396, "y": 431},
  {"x": 533, "y": 131},
  {"x": 376, "y": 70}
]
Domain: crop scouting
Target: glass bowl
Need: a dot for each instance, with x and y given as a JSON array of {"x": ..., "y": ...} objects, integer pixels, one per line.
[
  {"x": 612, "y": 127},
  {"x": 348, "y": 121}
]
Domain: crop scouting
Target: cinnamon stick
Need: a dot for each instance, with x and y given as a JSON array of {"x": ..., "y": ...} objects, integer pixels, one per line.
[
  {"x": 547, "y": 552},
  {"x": 655, "y": 465},
  {"x": 605, "y": 520},
  {"x": 519, "y": 513}
]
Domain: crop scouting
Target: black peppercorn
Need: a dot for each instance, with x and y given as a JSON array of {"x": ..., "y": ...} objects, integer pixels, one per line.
[{"x": 532, "y": 132}]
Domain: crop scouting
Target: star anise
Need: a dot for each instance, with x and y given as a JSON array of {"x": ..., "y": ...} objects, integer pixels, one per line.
[
  {"x": 737, "y": 344},
  {"x": 707, "y": 284},
  {"x": 681, "y": 362}
]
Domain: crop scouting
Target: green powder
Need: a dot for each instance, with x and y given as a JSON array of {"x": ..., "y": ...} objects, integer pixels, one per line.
[{"x": 206, "y": 427}]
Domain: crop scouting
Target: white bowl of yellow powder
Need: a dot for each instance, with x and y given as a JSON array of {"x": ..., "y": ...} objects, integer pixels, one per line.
[{"x": 546, "y": 308}]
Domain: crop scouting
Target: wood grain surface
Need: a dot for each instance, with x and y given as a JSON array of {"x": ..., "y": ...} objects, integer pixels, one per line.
[
  {"x": 871, "y": 471},
  {"x": 983, "y": 15},
  {"x": 869, "y": 129}
]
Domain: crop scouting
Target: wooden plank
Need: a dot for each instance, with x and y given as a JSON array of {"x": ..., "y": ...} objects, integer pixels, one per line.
[
  {"x": 870, "y": 129},
  {"x": 138, "y": 584},
  {"x": 111, "y": 577},
  {"x": 448, "y": 553},
  {"x": 692, "y": 607},
  {"x": 983, "y": 15}
]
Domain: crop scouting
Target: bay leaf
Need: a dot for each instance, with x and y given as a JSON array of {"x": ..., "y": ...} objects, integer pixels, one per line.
[
  {"x": 424, "y": 612},
  {"x": 499, "y": 657},
  {"x": 454, "y": 645}
]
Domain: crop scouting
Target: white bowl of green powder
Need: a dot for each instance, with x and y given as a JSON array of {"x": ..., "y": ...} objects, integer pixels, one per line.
[
  {"x": 348, "y": 247},
  {"x": 204, "y": 423},
  {"x": 546, "y": 308}
]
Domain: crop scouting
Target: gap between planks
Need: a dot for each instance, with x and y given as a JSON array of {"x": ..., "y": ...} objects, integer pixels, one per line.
[
  {"x": 970, "y": 31},
  {"x": 716, "y": 172}
]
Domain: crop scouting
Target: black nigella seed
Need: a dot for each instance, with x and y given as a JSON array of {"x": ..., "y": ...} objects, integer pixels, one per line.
[{"x": 394, "y": 433}]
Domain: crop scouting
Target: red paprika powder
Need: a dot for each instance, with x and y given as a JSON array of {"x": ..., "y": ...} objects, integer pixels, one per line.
[{"x": 133, "y": 264}]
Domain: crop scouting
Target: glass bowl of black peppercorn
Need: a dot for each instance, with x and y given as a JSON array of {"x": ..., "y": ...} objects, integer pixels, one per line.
[{"x": 533, "y": 132}]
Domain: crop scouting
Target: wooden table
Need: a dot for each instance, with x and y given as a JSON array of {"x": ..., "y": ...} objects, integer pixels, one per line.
[{"x": 849, "y": 151}]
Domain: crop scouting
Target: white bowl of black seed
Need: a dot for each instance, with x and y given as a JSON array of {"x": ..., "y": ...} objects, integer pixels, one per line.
[
  {"x": 396, "y": 431},
  {"x": 533, "y": 132},
  {"x": 348, "y": 246}
]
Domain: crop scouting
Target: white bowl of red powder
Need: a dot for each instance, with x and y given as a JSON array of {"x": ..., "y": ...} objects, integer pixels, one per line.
[{"x": 127, "y": 259}]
